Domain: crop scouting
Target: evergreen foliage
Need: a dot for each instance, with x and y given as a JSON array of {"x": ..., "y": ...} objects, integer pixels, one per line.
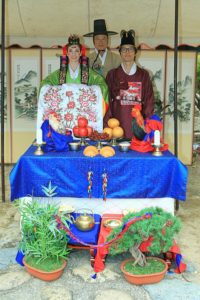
[{"x": 162, "y": 227}]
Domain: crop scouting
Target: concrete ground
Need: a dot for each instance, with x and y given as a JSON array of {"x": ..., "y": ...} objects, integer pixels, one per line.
[{"x": 76, "y": 282}]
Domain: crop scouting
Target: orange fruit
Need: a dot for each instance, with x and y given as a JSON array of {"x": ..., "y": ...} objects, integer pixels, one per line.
[
  {"x": 112, "y": 123},
  {"x": 118, "y": 132},
  {"x": 108, "y": 130},
  {"x": 109, "y": 149},
  {"x": 90, "y": 151}
]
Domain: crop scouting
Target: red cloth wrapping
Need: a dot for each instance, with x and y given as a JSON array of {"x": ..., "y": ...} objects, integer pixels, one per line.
[
  {"x": 174, "y": 250},
  {"x": 153, "y": 125},
  {"x": 145, "y": 146},
  {"x": 150, "y": 125},
  {"x": 103, "y": 234},
  {"x": 144, "y": 247}
]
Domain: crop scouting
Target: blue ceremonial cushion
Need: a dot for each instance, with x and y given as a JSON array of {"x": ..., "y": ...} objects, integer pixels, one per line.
[{"x": 90, "y": 237}]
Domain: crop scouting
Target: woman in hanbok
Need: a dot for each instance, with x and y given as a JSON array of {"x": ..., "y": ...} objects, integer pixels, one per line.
[
  {"x": 65, "y": 94},
  {"x": 74, "y": 68}
]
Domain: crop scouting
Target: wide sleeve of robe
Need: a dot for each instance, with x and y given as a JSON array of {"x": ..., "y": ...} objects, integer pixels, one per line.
[
  {"x": 96, "y": 79},
  {"x": 51, "y": 79}
]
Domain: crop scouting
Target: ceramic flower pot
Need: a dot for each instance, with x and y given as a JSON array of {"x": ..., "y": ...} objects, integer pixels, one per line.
[
  {"x": 46, "y": 276},
  {"x": 145, "y": 278}
]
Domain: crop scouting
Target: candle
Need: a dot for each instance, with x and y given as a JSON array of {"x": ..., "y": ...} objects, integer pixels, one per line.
[
  {"x": 39, "y": 136},
  {"x": 157, "y": 138}
]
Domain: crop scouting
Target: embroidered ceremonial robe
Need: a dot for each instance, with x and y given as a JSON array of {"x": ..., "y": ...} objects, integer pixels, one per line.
[
  {"x": 94, "y": 79},
  {"x": 126, "y": 91}
]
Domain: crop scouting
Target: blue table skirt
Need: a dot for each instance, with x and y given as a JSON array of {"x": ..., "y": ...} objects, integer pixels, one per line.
[
  {"x": 130, "y": 175},
  {"x": 90, "y": 237}
]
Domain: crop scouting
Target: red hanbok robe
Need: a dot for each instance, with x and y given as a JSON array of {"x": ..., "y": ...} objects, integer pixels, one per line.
[{"x": 126, "y": 91}]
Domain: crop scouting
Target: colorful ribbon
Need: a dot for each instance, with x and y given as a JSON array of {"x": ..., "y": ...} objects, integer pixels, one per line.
[
  {"x": 119, "y": 235},
  {"x": 90, "y": 177},
  {"x": 104, "y": 185}
]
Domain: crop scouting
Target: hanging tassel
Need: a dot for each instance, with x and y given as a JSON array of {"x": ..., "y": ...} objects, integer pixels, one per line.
[
  {"x": 104, "y": 185},
  {"x": 64, "y": 50},
  {"x": 84, "y": 61},
  {"x": 90, "y": 174},
  {"x": 63, "y": 65},
  {"x": 83, "y": 50}
]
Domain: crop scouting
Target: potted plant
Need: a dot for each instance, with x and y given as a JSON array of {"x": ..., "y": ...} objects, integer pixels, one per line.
[
  {"x": 43, "y": 243},
  {"x": 155, "y": 235}
]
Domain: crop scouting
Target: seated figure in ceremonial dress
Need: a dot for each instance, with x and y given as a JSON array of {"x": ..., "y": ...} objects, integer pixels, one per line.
[{"x": 72, "y": 91}]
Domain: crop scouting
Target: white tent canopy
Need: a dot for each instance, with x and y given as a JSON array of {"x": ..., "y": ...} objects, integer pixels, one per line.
[{"x": 50, "y": 22}]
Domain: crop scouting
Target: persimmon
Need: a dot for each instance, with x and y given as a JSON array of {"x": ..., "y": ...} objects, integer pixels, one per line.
[
  {"x": 108, "y": 130},
  {"x": 112, "y": 123},
  {"x": 118, "y": 132}
]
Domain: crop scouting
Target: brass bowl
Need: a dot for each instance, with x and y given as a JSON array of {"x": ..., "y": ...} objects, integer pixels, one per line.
[
  {"x": 74, "y": 146},
  {"x": 68, "y": 209},
  {"x": 124, "y": 146},
  {"x": 112, "y": 223}
]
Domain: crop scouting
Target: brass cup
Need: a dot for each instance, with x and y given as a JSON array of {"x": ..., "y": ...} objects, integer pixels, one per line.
[
  {"x": 39, "y": 150},
  {"x": 157, "y": 151}
]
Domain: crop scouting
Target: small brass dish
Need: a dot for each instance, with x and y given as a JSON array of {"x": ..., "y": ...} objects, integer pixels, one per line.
[
  {"x": 112, "y": 223},
  {"x": 68, "y": 209},
  {"x": 74, "y": 146},
  {"x": 124, "y": 146}
]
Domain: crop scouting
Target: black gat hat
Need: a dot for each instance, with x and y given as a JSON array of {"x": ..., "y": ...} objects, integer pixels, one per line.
[{"x": 100, "y": 28}]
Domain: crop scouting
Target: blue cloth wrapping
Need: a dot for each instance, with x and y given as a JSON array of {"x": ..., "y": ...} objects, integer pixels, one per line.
[
  {"x": 19, "y": 258},
  {"x": 130, "y": 175},
  {"x": 90, "y": 237},
  {"x": 55, "y": 141}
]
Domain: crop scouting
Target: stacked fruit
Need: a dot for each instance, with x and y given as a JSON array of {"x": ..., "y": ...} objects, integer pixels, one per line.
[
  {"x": 82, "y": 130},
  {"x": 114, "y": 130}
]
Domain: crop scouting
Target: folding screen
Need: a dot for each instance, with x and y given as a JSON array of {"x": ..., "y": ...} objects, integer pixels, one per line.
[
  {"x": 25, "y": 80},
  {"x": 185, "y": 99},
  {"x": 7, "y": 131},
  {"x": 28, "y": 66}
]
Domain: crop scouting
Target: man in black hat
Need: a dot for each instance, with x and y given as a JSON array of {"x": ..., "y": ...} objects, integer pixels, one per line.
[
  {"x": 102, "y": 59},
  {"x": 130, "y": 89}
]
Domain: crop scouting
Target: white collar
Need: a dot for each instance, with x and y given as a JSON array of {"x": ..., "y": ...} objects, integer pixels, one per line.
[
  {"x": 132, "y": 70},
  {"x": 103, "y": 57},
  {"x": 74, "y": 74}
]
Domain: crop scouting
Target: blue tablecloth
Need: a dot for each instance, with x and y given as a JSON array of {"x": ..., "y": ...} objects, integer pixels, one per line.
[
  {"x": 89, "y": 237},
  {"x": 130, "y": 175}
]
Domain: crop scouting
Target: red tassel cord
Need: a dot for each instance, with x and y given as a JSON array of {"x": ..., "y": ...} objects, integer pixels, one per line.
[
  {"x": 90, "y": 176},
  {"x": 104, "y": 185}
]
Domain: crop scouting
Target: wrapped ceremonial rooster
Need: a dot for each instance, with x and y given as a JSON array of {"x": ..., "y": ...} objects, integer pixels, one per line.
[
  {"x": 55, "y": 139},
  {"x": 143, "y": 131}
]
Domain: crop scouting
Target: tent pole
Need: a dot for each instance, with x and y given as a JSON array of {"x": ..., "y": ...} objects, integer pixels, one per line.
[
  {"x": 175, "y": 87},
  {"x": 2, "y": 97}
]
